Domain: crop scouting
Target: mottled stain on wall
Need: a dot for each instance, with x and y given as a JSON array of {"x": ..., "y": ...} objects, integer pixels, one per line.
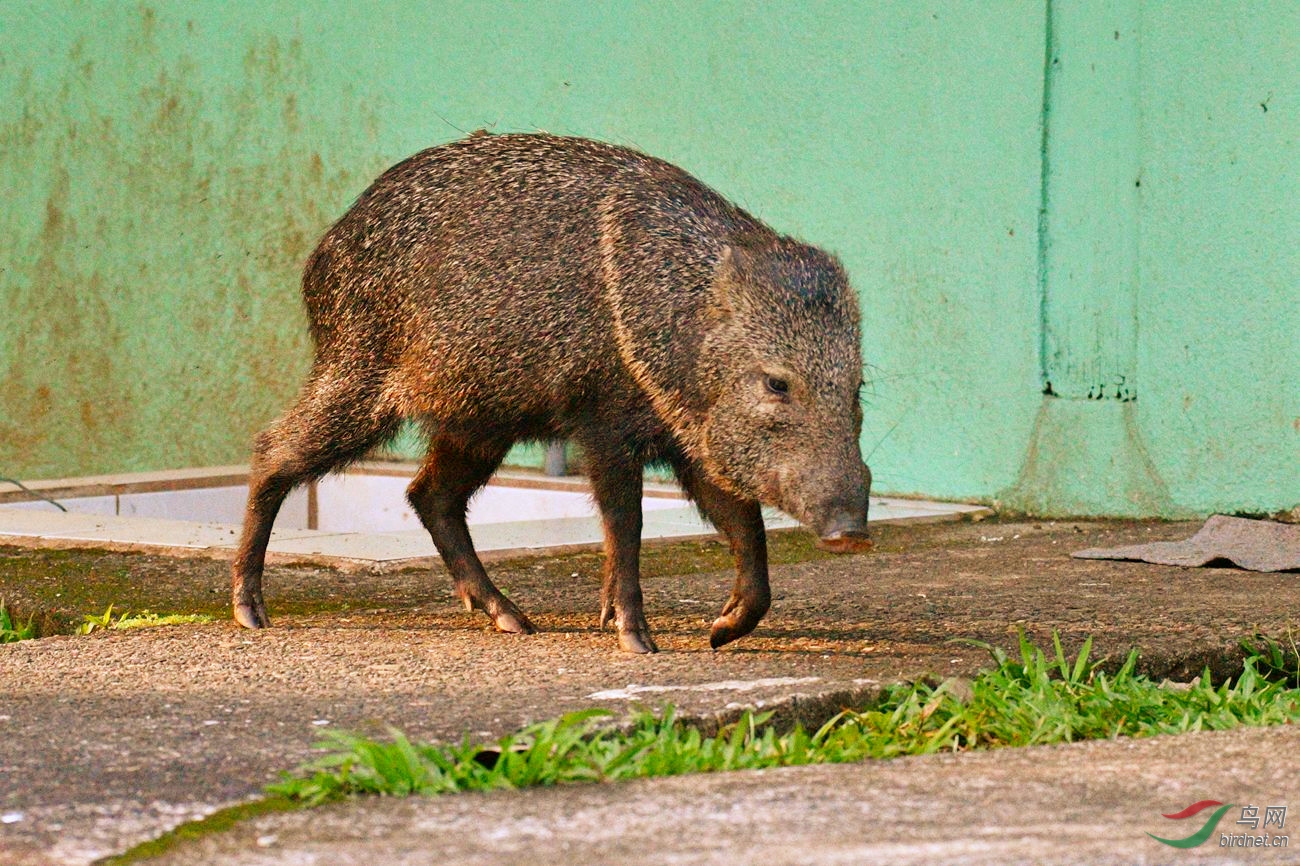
[
  {"x": 824, "y": 121},
  {"x": 156, "y": 219}
]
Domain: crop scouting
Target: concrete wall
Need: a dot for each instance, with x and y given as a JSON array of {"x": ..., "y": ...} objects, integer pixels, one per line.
[{"x": 1100, "y": 196}]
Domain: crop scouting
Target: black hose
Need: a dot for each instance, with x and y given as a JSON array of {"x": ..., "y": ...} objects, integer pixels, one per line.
[{"x": 27, "y": 489}]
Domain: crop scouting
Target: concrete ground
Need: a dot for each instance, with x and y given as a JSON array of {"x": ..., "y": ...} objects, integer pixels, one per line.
[{"x": 111, "y": 739}]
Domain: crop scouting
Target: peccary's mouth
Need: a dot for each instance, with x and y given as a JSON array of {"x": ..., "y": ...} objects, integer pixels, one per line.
[
  {"x": 845, "y": 532},
  {"x": 845, "y": 541}
]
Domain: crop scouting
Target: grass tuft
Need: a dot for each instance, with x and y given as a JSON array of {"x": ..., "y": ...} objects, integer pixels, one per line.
[
  {"x": 142, "y": 619},
  {"x": 1033, "y": 699},
  {"x": 1279, "y": 660}
]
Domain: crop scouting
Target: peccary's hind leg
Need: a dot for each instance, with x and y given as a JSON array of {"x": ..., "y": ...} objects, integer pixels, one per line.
[
  {"x": 741, "y": 521},
  {"x": 616, "y": 484},
  {"x": 440, "y": 494},
  {"x": 334, "y": 422}
]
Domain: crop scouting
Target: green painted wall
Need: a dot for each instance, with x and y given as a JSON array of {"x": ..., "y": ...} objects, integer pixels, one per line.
[{"x": 165, "y": 168}]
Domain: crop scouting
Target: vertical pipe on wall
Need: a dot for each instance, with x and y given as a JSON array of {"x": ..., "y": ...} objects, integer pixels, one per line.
[
  {"x": 1049, "y": 51},
  {"x": 556, "y": 463}
]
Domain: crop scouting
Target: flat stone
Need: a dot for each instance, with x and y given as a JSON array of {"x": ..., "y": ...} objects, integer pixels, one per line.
[
  {"x": 375, "y": 547},
  {"x": 1256, "y": 545}
]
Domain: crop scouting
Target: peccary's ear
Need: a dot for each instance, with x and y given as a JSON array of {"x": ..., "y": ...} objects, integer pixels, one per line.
[{"x": 730, "y": 293}]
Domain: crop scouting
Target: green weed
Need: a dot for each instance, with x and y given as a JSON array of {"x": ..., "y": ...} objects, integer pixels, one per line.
[
  {"x": 1036, "y": 698},
  {"x": 91, "y": 622},
  {"x": 10, "y": 631}
]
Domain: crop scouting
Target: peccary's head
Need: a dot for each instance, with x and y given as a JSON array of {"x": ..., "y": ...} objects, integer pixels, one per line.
[{"x": 783, "y": 365}]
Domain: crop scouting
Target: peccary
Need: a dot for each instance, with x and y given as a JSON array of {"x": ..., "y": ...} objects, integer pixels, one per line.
[{"x": 526, "y": 287}]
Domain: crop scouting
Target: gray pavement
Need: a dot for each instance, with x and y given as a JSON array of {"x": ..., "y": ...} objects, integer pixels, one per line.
[{"x": 112, "y": 739}]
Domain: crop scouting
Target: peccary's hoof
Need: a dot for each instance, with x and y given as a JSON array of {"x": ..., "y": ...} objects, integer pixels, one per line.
[
  {"x": 247, "y": 616},
  {"x": 845, "y": 542},
  {"x": 634, "y": 642},
  {"x": 727, "y": 629},
  {"x": 513, "y": 622}
]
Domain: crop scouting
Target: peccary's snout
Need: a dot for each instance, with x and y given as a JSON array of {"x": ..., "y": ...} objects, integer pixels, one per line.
[
  {"x": 842, "y": 528},
  {"x": 845, "y": 532}
]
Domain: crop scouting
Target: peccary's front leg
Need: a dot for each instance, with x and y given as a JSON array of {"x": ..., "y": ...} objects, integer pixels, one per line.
[
  {"x": 741, "y": 521},
  {"x": 617, "y": 488},
  {"x": 440, "y": 494}
]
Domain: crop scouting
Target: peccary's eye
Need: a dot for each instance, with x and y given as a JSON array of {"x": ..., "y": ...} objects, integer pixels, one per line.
[{"x": 779, "y": 387}]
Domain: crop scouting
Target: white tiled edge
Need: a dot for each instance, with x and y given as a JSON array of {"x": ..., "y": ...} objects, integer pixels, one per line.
[{"x": 391, "y": 548}]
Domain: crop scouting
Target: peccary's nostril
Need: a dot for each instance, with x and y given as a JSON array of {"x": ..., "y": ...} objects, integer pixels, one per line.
[{"x": 845, "y": 542}]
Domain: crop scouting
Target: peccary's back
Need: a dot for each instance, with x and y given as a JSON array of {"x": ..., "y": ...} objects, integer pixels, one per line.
[{"x": 479, "y": 267}]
